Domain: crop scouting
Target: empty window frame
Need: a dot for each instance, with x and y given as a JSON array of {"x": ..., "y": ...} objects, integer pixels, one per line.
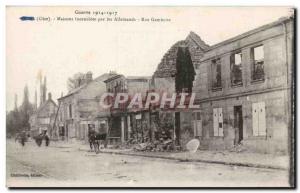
[
  {"x": 216, "y": 73},
  {"x": 236, "y": 69},
  {"x": 258, "y": 73}
]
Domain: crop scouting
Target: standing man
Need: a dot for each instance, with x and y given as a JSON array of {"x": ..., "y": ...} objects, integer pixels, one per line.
[{"x": 91, "y": 134}]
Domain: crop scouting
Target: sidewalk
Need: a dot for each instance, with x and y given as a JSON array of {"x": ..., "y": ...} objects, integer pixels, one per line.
[{"x": 246, "y": 159}]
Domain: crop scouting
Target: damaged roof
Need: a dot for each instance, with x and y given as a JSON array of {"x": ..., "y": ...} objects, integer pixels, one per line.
[{"x": 167, "y": 66}]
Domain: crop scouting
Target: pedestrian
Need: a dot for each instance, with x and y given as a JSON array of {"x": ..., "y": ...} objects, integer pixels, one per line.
[
  {"x": 91, "y": 134},
  {"x": 23, "y": 138}
]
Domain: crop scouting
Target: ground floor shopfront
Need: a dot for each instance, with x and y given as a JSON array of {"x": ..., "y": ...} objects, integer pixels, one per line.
[
  {"x": 126, "y": 127},
  {"x": 260, "y": 122}
]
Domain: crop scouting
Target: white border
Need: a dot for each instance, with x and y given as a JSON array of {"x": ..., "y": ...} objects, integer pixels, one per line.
[{"x": 3, "y": 3}]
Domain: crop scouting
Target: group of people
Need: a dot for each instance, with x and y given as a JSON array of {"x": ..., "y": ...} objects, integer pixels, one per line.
[
  {"x": 95, "y": 138},
  {"x": 23, "y": 136}
]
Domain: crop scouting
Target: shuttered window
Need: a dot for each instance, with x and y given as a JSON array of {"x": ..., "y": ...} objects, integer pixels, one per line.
[
  {"x": 259, "y": 119},
  {"x": 218, "y": 122}
]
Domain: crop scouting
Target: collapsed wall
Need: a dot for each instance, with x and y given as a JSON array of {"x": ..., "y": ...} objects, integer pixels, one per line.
[
  {"x": 167, "y": 67},
  {"x": 163, "y": 80}
]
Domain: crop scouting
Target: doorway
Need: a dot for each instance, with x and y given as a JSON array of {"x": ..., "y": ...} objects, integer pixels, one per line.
[{"x": 238, "y": 124}]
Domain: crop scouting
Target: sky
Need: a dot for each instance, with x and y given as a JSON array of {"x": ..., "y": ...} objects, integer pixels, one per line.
[{"x": 60, "y": 49}]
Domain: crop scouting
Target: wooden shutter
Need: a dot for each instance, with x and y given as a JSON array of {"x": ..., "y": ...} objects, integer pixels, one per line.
[
  {"x": 216, "y": 122},
  {"x": 262, "y": 119},
  {"x": 122, "y": 129},
  {"x": 194, "y": 124},
  {"x": 199, "y": 127},
  {"x": 255, "y": 122},
  {"x": 128, "y": 124},
  {"x": 195, "y": 127},
  {"x": 197, "y": 124},
  {"x": 220, "y": 114}
]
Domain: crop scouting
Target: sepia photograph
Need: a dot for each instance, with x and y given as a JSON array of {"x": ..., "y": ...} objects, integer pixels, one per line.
[{"x": 150, "y": 96}]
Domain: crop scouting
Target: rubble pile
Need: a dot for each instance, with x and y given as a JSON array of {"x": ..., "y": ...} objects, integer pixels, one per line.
[
  {"x": 164, "y": 145},
  {"x": 162, "y": 142}
]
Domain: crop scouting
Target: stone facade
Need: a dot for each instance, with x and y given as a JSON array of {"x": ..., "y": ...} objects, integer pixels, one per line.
[{"x": 257, "y": 112}]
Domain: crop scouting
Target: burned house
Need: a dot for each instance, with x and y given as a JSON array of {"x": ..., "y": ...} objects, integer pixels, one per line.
[
  {"x": 175, "y": 74},
  {"x": 126, "y": 123},
  {"x": 243, "y": 87},
  {"x": 138, "y": 119},
  {"x": 78, "y": 109}
]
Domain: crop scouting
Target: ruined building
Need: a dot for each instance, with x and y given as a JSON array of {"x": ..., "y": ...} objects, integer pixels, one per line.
[
  {"x": 126, "y": 124},
  {"x": 244, "y": 88},
  {"x": 168, "y": 71}
]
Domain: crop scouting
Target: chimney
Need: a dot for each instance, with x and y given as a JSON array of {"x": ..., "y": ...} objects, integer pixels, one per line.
[
  {"x": 89, "y": 76},
  {"x": 49, "y": 96}
]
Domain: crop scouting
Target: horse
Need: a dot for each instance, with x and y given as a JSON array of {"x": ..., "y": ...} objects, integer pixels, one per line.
[
  {"x": 95, "y": 139},
  {"x": 42, "y": 136}
]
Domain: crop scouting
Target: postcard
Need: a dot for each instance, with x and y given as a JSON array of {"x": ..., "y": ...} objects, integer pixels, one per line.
[{"x": 150, "y": 96}]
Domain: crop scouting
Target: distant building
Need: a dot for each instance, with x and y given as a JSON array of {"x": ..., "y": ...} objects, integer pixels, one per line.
[{"x": 43, "y": 118}]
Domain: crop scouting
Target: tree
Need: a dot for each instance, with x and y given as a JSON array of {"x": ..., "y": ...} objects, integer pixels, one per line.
[
  {"x": 26, "y": 110},
  {"x": 16, "y": 102},
  {"x": 12, "y": 123},
  {"x": 18, "y": 119},
  {"x": 75, "y": 81},
  {"x": 185, "y": 72},
  {"x": 13, "y": 120}
]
